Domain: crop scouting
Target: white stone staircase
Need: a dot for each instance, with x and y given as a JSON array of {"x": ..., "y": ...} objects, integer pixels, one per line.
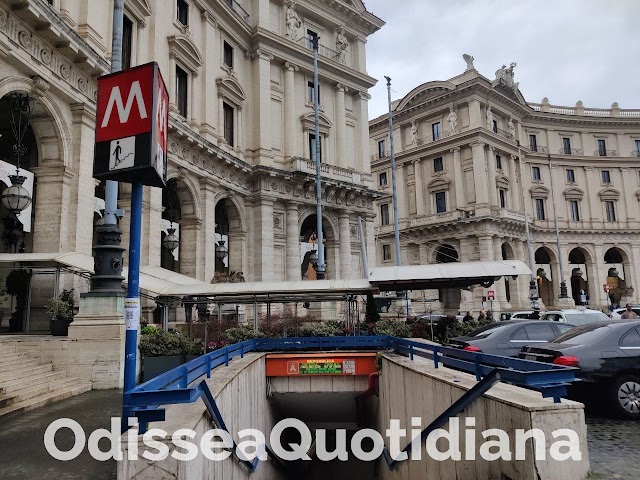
[{"x": 27, "y": 383}]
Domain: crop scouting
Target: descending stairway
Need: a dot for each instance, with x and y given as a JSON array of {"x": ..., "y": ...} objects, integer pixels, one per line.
[{"x": 27, "y": 383}]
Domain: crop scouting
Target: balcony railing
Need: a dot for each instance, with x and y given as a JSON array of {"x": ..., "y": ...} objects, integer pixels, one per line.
[
  {"x": 538, "y": 148},
  {"x": 328, "y": 171},
  {"x": 239, "y": 10},
  {"x": 570, "y": 151},
  {"x": 635, "y": 153},
  {"x": 605, "y": 153},
  {"x": 323, "y": 50},
  {"x": 587, "y": 112},
  {"x": 503, "y": 133},
  {"x": 377, "y": 156}
]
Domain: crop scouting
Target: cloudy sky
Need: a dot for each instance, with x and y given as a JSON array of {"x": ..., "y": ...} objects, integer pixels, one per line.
[{"x": 567, "y": 50}]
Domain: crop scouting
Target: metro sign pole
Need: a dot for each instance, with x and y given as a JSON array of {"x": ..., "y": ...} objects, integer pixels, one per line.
[{"x": 131, "y": 147}]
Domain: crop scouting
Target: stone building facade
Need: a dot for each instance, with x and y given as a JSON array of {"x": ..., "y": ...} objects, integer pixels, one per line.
[
  {"x": 473, "y": 156},
  {"x": 239, "y": 74}
]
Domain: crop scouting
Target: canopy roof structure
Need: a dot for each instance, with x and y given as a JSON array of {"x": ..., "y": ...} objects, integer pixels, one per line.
[{"x": 166, "y": 285}]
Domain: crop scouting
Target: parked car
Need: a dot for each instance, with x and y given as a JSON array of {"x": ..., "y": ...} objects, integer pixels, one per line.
[
  {"x": 523, "y": 315},
  {"x": 508, "y": 337},
  {"x": 575, "y": 316},
  {"x": 617, "y": 313},
  {"x": 608, "y": 357}
]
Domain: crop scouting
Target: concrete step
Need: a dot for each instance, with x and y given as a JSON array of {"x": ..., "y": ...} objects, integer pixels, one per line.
[
  {"x": 21, "y": 383},
  {"x": 42, "y": 400},
  {"x": 35, "y": 391},
  {"x": 7, "y": 362},
  {"x": 24, "y": 371}
]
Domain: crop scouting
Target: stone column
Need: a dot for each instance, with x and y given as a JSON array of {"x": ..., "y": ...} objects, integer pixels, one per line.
[
  {"x": 191, "y": 248},
  {"x": 635, "y": 276},
  {"x": 417, "y": 174},
  {"x": 221, "y": 140},
  {"x": 491, "y": 163},
  {"x": 597, "y": 276},
  {"x": 208, "y": 113},
  {"x": 475, "y": 115},
  {"x": 629, "y": 213},
  {"x": 341, "y": 128},
  {"x": 523, "y": 280},
  {"x": 593, "y": 185},
  {"x": 466, "y": 296},
  {"x": 81, "y": 209},
  {"x": 239, "y": 133},
  {"x": 292, "y": 132},
  {"x": 196, "y": 98},
  {"x": 151, "y": 226},
  {"x": 514, "y": 184},
  {"x": 345, "y": 246},
  {"x": 480, "y": 173},
  {"x": 370, "y": 232},
  {"x": 401, "y": 192},
  {"x": 459, "y": 178},
  {"x": 208, "y": 232},
  {"x": 172, "y": 84},
  {"x": 263, "y": 243},
  {"x": 261, "y": 141},
  {"x": 501, "y": 301},
  {"x": 362, "y": 133},
  {"x": 51, "y": 208},
  {"x": 293, "y": 243}
]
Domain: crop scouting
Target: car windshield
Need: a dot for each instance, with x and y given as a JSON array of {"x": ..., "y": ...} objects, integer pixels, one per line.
[
  {"x": 484, "y": 332},
  {"x": 583, "y": 335}
]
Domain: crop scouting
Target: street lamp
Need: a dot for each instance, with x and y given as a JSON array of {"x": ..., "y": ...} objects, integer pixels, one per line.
[
  {"x": 563, "y": 285},
  {"x": 320, "y": 265},
  {"x": 16, "y": 198},
  {"x": 533, "y": 287},
  {"x": 221, "y": 250},
  {"x": 171, "y": 240}
]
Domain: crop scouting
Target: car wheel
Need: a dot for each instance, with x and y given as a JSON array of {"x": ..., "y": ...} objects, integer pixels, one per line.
[{"x": 626, "y": 396}]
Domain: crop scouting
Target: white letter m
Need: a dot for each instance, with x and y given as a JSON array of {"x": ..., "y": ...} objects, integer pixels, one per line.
[{"x": 123, "y": 111}]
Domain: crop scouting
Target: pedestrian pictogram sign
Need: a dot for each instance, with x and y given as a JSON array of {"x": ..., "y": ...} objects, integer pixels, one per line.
[{"x": 131, "y": 126}]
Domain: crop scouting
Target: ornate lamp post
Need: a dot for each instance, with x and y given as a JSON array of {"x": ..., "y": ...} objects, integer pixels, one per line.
[
  {"x": 563, "y": 285},
  {"x": 221, "y": 250},
  {"x": 16, "y": 198},
  {"x": 171, "y": 241}
]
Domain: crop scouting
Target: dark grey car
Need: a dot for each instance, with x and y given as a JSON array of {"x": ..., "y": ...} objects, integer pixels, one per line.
[{"x": 508, "y": 337}]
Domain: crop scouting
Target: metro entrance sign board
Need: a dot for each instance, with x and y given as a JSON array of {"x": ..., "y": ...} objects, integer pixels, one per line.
[{"x": 131, "y": 126}]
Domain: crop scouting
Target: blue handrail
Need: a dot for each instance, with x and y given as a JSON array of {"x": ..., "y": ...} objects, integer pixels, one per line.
[{"x": 178, "y": 385}]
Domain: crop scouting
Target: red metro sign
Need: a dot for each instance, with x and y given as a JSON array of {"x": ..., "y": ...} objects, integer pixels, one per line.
[{"x": 131, "y": 126}]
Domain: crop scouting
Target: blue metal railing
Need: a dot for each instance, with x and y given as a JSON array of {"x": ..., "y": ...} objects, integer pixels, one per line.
[{"x": 145, "y": 401}]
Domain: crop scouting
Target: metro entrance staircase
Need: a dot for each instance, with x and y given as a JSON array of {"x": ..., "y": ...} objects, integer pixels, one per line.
[{"x": 27, "y": 383}]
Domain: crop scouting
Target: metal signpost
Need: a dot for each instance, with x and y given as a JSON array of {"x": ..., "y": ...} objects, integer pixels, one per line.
[{"x": 131, "y": 146}]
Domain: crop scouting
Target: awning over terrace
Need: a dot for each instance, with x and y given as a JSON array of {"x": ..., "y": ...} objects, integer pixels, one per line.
[
  {"x": 160, "y": 282},
  {"x": 444, "y": 275}
]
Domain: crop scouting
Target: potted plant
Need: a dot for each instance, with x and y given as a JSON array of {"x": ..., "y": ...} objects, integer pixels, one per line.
[
  {"x": 162, "y": 351},
  {"x": 17, "y": 285},
  {"x": 60, "y": 309}
]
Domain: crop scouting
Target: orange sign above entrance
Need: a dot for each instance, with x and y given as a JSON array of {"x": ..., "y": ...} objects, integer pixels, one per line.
[{"x": 313, "y": 364}]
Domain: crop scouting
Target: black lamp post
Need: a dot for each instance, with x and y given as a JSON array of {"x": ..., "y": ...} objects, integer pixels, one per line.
[{"x": 16, "y": 198}]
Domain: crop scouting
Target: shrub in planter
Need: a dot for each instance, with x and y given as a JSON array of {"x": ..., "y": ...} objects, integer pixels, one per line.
[
  {"x": 393, "y": 328},
  {"x": 162, "y": 351},
  {"x": 60, "y": 309},
  {"x": 240, "y": 334},
  {"x": 321, "y": 329}
]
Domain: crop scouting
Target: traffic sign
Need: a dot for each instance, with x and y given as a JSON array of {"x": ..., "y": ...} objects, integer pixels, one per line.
[
  {"x": 491, "y": 295},
  {"x": 131, "y": 126}
]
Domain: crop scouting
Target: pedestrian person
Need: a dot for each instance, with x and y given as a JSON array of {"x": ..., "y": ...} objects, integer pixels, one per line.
[
  {"x": 467, "y": 318},
  {"x": 629, "y": 314}
]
